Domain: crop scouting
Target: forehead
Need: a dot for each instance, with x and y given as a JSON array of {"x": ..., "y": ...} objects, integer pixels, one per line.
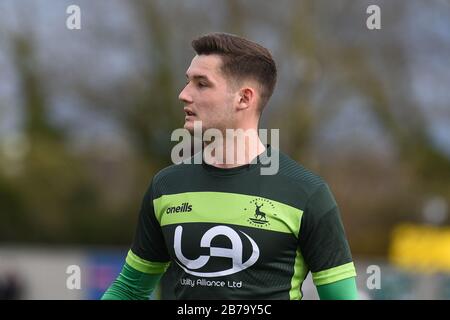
[{"x": 206, "y": 65}]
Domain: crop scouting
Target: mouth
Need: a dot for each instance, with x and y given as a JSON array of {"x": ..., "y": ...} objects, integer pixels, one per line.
[{"x": 188, "y": 112}]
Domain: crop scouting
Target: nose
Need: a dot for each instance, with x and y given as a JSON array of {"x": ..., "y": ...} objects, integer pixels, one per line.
[{"x": 184, "y": 96}]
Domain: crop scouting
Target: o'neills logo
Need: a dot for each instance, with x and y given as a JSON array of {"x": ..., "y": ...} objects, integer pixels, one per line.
[{"x": 185, "y": 207}]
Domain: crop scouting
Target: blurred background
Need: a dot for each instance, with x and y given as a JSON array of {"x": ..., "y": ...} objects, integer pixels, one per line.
[{"x": 86, "y": 117}]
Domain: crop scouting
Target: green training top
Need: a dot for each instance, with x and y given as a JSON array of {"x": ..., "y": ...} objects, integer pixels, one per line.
[{"x": 237, "y": 234}]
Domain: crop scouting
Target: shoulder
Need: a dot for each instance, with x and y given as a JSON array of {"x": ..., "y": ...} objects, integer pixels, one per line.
[
  {"x": 176, "y": 170},
  {"x": 315, "y": 191},
  {"x": 300, "y": 176},
  {"x": 168, "y": 179},
  {"x": 167, "y": 172}
]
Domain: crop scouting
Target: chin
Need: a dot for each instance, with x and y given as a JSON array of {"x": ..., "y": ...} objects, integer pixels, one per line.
[{"x": 189, "y": 126}]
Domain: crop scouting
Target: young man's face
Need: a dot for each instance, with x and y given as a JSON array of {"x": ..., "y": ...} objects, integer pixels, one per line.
[{"x": 207, "y": 96}]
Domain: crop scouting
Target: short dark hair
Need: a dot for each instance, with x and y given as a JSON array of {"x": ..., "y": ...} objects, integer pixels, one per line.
[{"x": 241, "y": 59}]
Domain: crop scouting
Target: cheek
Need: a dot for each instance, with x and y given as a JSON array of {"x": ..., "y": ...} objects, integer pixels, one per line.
[
  {"x": 215, "y": 105},
  {"x": 210, "y": 104}
]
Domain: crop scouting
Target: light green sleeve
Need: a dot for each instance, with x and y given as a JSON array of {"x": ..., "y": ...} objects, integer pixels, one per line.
[
  {"x": 132, "y": 284},
  {"x": 340, "y": 290}
]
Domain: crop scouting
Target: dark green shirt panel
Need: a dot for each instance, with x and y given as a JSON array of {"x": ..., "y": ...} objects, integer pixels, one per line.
[
  {"x": 322, "y": 236},
  {"x": 148, "y": 242}
]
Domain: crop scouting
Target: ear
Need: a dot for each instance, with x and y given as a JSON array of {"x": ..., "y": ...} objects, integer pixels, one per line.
[{"x": 246, "y": 96}]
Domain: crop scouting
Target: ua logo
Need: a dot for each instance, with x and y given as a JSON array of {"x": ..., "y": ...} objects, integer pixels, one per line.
[{"x": 235, "y": 253}]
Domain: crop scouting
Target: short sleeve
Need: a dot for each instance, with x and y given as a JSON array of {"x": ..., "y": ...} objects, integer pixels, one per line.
[
  {"x": 322, "y": 239},
  {"x": 148, "y": 251}
]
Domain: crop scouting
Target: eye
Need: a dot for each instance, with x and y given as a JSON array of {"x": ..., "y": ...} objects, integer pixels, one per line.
[{"x": 202, "y": 84}]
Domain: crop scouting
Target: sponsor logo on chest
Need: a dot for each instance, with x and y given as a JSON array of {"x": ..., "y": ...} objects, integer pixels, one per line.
[{"x": 184, "y": 207}]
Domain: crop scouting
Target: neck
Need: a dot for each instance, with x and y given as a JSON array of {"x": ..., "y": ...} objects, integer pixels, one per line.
[{"x": 235, "y": 148}]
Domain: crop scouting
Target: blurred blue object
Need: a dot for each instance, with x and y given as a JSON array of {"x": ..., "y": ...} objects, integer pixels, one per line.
[{"x": 102, "y": 269}]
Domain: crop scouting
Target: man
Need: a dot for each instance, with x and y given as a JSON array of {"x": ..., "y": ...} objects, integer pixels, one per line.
[{"x": 226, "y": 230}]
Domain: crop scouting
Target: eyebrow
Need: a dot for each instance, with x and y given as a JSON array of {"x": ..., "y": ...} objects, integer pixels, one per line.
[{"x": 199, "y": 77}]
